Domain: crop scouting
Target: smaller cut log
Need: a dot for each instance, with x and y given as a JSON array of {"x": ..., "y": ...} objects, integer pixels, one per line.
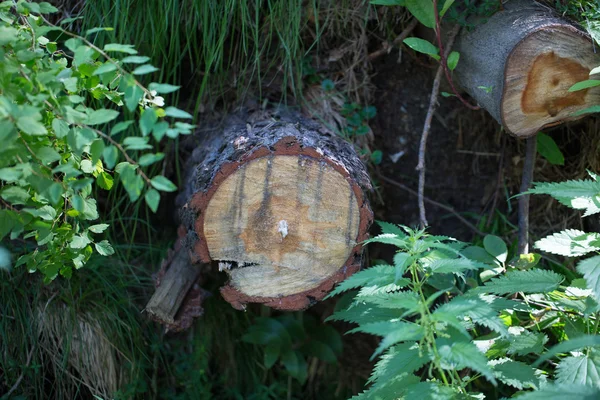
[
  {"x": 173, "y": 303},
  {"x": 280, "y": 206},
  {"x": 520, "y": 64}
]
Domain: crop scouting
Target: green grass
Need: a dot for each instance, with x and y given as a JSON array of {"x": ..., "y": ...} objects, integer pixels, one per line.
[{"x": 203, "y": 45}]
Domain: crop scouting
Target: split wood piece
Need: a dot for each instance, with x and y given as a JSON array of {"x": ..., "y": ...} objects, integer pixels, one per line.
[
  {"x": 281, "y": 207},
  {"x": 177, "y": 300},
  {"x": 520, "y": 64}
]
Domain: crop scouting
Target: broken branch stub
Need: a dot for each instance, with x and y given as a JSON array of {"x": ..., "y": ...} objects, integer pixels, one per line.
[
  {"x": 520, "y": 64},
  {"x": 281, "y": 207}
]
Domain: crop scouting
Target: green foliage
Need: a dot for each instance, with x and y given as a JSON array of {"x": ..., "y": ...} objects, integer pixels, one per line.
[
  {"x": 290, "y": 341},
  {"x": 62, "y": 125},
  {"x": 357, "y": 119},
  {"x": 547, "y": 148},
  {"x": 446, "y": 332}
]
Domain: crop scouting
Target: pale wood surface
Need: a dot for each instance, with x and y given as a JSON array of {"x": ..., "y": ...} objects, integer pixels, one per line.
[
  {"x": 539, "y": 73},
  {"x": 174, "y": 286},
  {"x": 519, "y": 64},
  {"x": 286, "y": 222}
]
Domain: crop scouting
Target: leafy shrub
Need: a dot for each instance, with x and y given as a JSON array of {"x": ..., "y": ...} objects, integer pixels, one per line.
[
  {"x": 460, "y": 321},
  {"x": 290, "y": 341},
  {"x": 72, "y": 119}
]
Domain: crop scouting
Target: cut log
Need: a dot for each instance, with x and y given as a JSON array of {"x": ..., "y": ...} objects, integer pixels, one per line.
[
  {"x": 281, "y": 206},
  {"x": 177, "y": 299},
  {"x": 520, "y": 64}
]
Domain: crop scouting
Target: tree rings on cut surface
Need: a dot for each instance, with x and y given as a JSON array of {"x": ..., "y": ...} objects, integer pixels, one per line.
[
  {"x": 520, "y": 64},
  {"x": 281, "y": 207}
]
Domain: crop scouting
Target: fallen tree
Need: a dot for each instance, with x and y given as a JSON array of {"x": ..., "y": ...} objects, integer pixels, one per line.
[
  {"x": 279, "y": 203},
  {"x": 520, "y": 64}
]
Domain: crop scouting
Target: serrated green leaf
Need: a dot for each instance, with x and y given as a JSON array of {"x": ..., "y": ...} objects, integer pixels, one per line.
[
  {"x": 377, "y": 275},
  {"x": 562, "y": 391},
  {"x": 462, "y": 355},
  {"x": 79, "y": 242},
  {"x": 527, "y": 343},
  {"x": 161, "y": 183},
  {"x": 583, "y": 370},
  {"x": 388, "y": 238},
  {"x": 530, "y": 281},
  {"x": 98, "y": 228},
  {"x": 120, "y": 127},
  {"x": 570, "y": 243},
  {"x": 104, "y": 248},
  {"x": 453, "y": 265},
  {"x": 401, "y": 262},
  {"x": 159, "y": 130},
  {"x": 514, "y": 373},
  {"x": 364, "y": 313},
  {"x": 476, "y": 308},
  {"x": 393, "y": 331},
  {"x": 393, "y": 229},
  {"x": 404, "y": 358},
  {"x": 570, "y": 345},
  {"x": 406, "y": 300},
  {"x": 590, "y": 269}
]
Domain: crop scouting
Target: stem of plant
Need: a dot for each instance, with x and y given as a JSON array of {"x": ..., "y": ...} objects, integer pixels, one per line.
[
  {"x": 426, "y": 128},
  {"x": 444, "y": 56},
  {"x": 528, "y": 166}
]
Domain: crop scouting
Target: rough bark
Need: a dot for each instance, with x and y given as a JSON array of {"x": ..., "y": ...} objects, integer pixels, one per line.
[
  {"x": 280, "y": 204},
  {"x": 520, "y": 63}
]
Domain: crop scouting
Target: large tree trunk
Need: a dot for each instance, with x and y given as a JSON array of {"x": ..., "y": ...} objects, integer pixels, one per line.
[
  {"x": 281, "y": 206},
  {"x": 520, "y": 63}
]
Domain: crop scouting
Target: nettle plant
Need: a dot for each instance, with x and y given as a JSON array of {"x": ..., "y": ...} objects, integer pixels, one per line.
[
  {"x": 72, "y": 119},
  {"x": 463, "y": 321}
]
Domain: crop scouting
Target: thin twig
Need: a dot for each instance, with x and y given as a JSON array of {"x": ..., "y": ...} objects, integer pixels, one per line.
[
  {"x": 426, "y": 128},
  {"x": 435, "y": 203},
  {"x": 530, "y": 153},
  {"x": 444, "y": 57},
  {"x": 399, "y": 39},
  {"x": 499, "y": 182}
]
